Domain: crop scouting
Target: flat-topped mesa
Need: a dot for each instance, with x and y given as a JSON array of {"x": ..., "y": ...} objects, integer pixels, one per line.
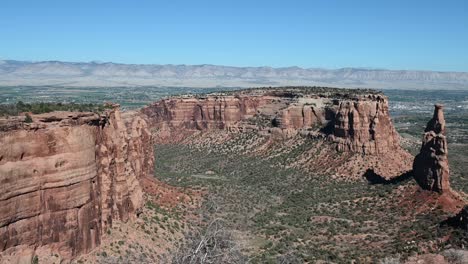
[
  {"x": 430, "y": 166},
  {"x": 66, "y": 176},
  {"x": 357, "y": 121}
]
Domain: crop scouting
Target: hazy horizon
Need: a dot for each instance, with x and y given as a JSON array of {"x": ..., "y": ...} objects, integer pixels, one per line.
[
  {"x": 396, "y": 35},
  {"x": 224, "y": 65},
  {"x": 82, "y": 74}
]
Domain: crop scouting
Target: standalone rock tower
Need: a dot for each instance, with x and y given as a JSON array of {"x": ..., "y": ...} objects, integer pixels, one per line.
[{"x": 430, "y": 167}]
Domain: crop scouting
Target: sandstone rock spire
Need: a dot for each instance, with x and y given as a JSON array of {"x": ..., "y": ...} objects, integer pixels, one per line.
[
  {"x": 437, "y": 123},
  {"x": 430, "y": 167}
]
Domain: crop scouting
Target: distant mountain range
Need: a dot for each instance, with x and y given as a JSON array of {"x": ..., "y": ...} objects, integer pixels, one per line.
[{"x": 78, "y": 74}]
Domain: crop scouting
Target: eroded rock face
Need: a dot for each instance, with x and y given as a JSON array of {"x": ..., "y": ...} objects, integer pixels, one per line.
[
  {"x": 359, "y": 123},
  {"x": 355, "y": 123},
  {"x": 299, "y": 116},
  {"x": 67, "y": 176},
  {"x": 430, "y": 166},
  {"x": 365, "y": 126},
  {"x": 211, "y": 112}
]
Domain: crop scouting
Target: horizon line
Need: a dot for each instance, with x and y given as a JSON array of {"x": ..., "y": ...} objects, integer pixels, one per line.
[{"x": 220, "y": 65}]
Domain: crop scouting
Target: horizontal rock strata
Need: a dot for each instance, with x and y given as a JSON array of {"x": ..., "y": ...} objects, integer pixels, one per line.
[
  {"x": 65, "y": 177},
  {"x": 356, "y": 123},
  {"x": 365, "y": 126}
]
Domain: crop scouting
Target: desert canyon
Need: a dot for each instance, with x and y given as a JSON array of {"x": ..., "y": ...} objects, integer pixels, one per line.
[{"x": 67, "y": 177}]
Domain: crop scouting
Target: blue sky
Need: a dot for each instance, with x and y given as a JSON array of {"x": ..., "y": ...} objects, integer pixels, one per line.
[{"x": 426, "y": 35}]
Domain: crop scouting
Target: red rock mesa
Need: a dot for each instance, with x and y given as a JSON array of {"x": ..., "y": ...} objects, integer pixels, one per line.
[{"x": 357, "y": 123}]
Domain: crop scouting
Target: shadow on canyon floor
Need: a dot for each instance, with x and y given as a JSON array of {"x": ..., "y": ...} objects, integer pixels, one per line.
[{"x": 374, "y": 178}]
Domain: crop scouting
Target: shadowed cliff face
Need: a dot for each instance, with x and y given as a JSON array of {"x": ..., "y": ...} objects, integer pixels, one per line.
[
  {"x": 359, "y": 123},
  {"x": 431, "y": 168},
  {"x": 65, "y": 177}
]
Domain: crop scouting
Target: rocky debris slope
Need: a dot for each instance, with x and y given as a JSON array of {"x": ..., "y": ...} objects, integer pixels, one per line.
[
  {"x": 430, "y": 167},
  {"x": 66, "y": 177},
  {"x": 354, "y": 121}
]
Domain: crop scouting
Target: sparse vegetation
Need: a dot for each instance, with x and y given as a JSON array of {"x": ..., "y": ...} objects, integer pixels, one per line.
[
  {"x": 280, "y": 212},
  {"x": 45, "y": 107}
]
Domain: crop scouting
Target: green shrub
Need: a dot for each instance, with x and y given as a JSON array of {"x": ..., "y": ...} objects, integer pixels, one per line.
[{"x": 28, "y": 119}]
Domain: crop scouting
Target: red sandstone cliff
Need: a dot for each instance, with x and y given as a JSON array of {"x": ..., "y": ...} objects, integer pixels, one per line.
[
  {"x": 355, "y": 122},
  {"x": 297, "y": 116},
  {"x": 65, "y": 177},
  {"x": 211, "y": 112},
  {"x": 365, "y": 126},
  {"x": 359, "y": 123}
]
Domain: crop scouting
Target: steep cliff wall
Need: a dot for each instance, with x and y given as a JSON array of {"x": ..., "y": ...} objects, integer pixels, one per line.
[
  {"x": 357, "y": 123},
  {"x": 354, "y": 122},
  {"x": 211, "y": 112},
  {"x": 65, "y": 177},
  {"x": 298, "y": 116},
  {"x": 365, "y": 126},
  {"x": 430, "y": 167}
]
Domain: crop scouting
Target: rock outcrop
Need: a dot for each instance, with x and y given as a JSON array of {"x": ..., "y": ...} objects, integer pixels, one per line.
[
  {"x": 358, "y": 123},
  {"x": 201, "y": 113},
  {"x": 354, "y": 122},
  {"x": 430, "y": 166},
  {"x": 298, "y": 116},
  {"x": 67, "y": 176},
  {"x": 364, "y": 126}
]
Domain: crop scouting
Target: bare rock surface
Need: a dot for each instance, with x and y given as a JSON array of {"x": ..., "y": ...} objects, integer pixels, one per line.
[
  {"x": 431, "y": 167},
  {"x": 365, "y": 126},
  {"x": 356, "y": 123},
  {"x": 209, "y": 112},
  {"x": 66, "y": 177}
]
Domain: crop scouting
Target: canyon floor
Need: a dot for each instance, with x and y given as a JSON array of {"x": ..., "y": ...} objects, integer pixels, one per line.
[{"x": 278, "y": 214}]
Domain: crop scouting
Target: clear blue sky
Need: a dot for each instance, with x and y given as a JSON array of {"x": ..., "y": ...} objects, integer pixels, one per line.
[{"x": 393, "y": 34}]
